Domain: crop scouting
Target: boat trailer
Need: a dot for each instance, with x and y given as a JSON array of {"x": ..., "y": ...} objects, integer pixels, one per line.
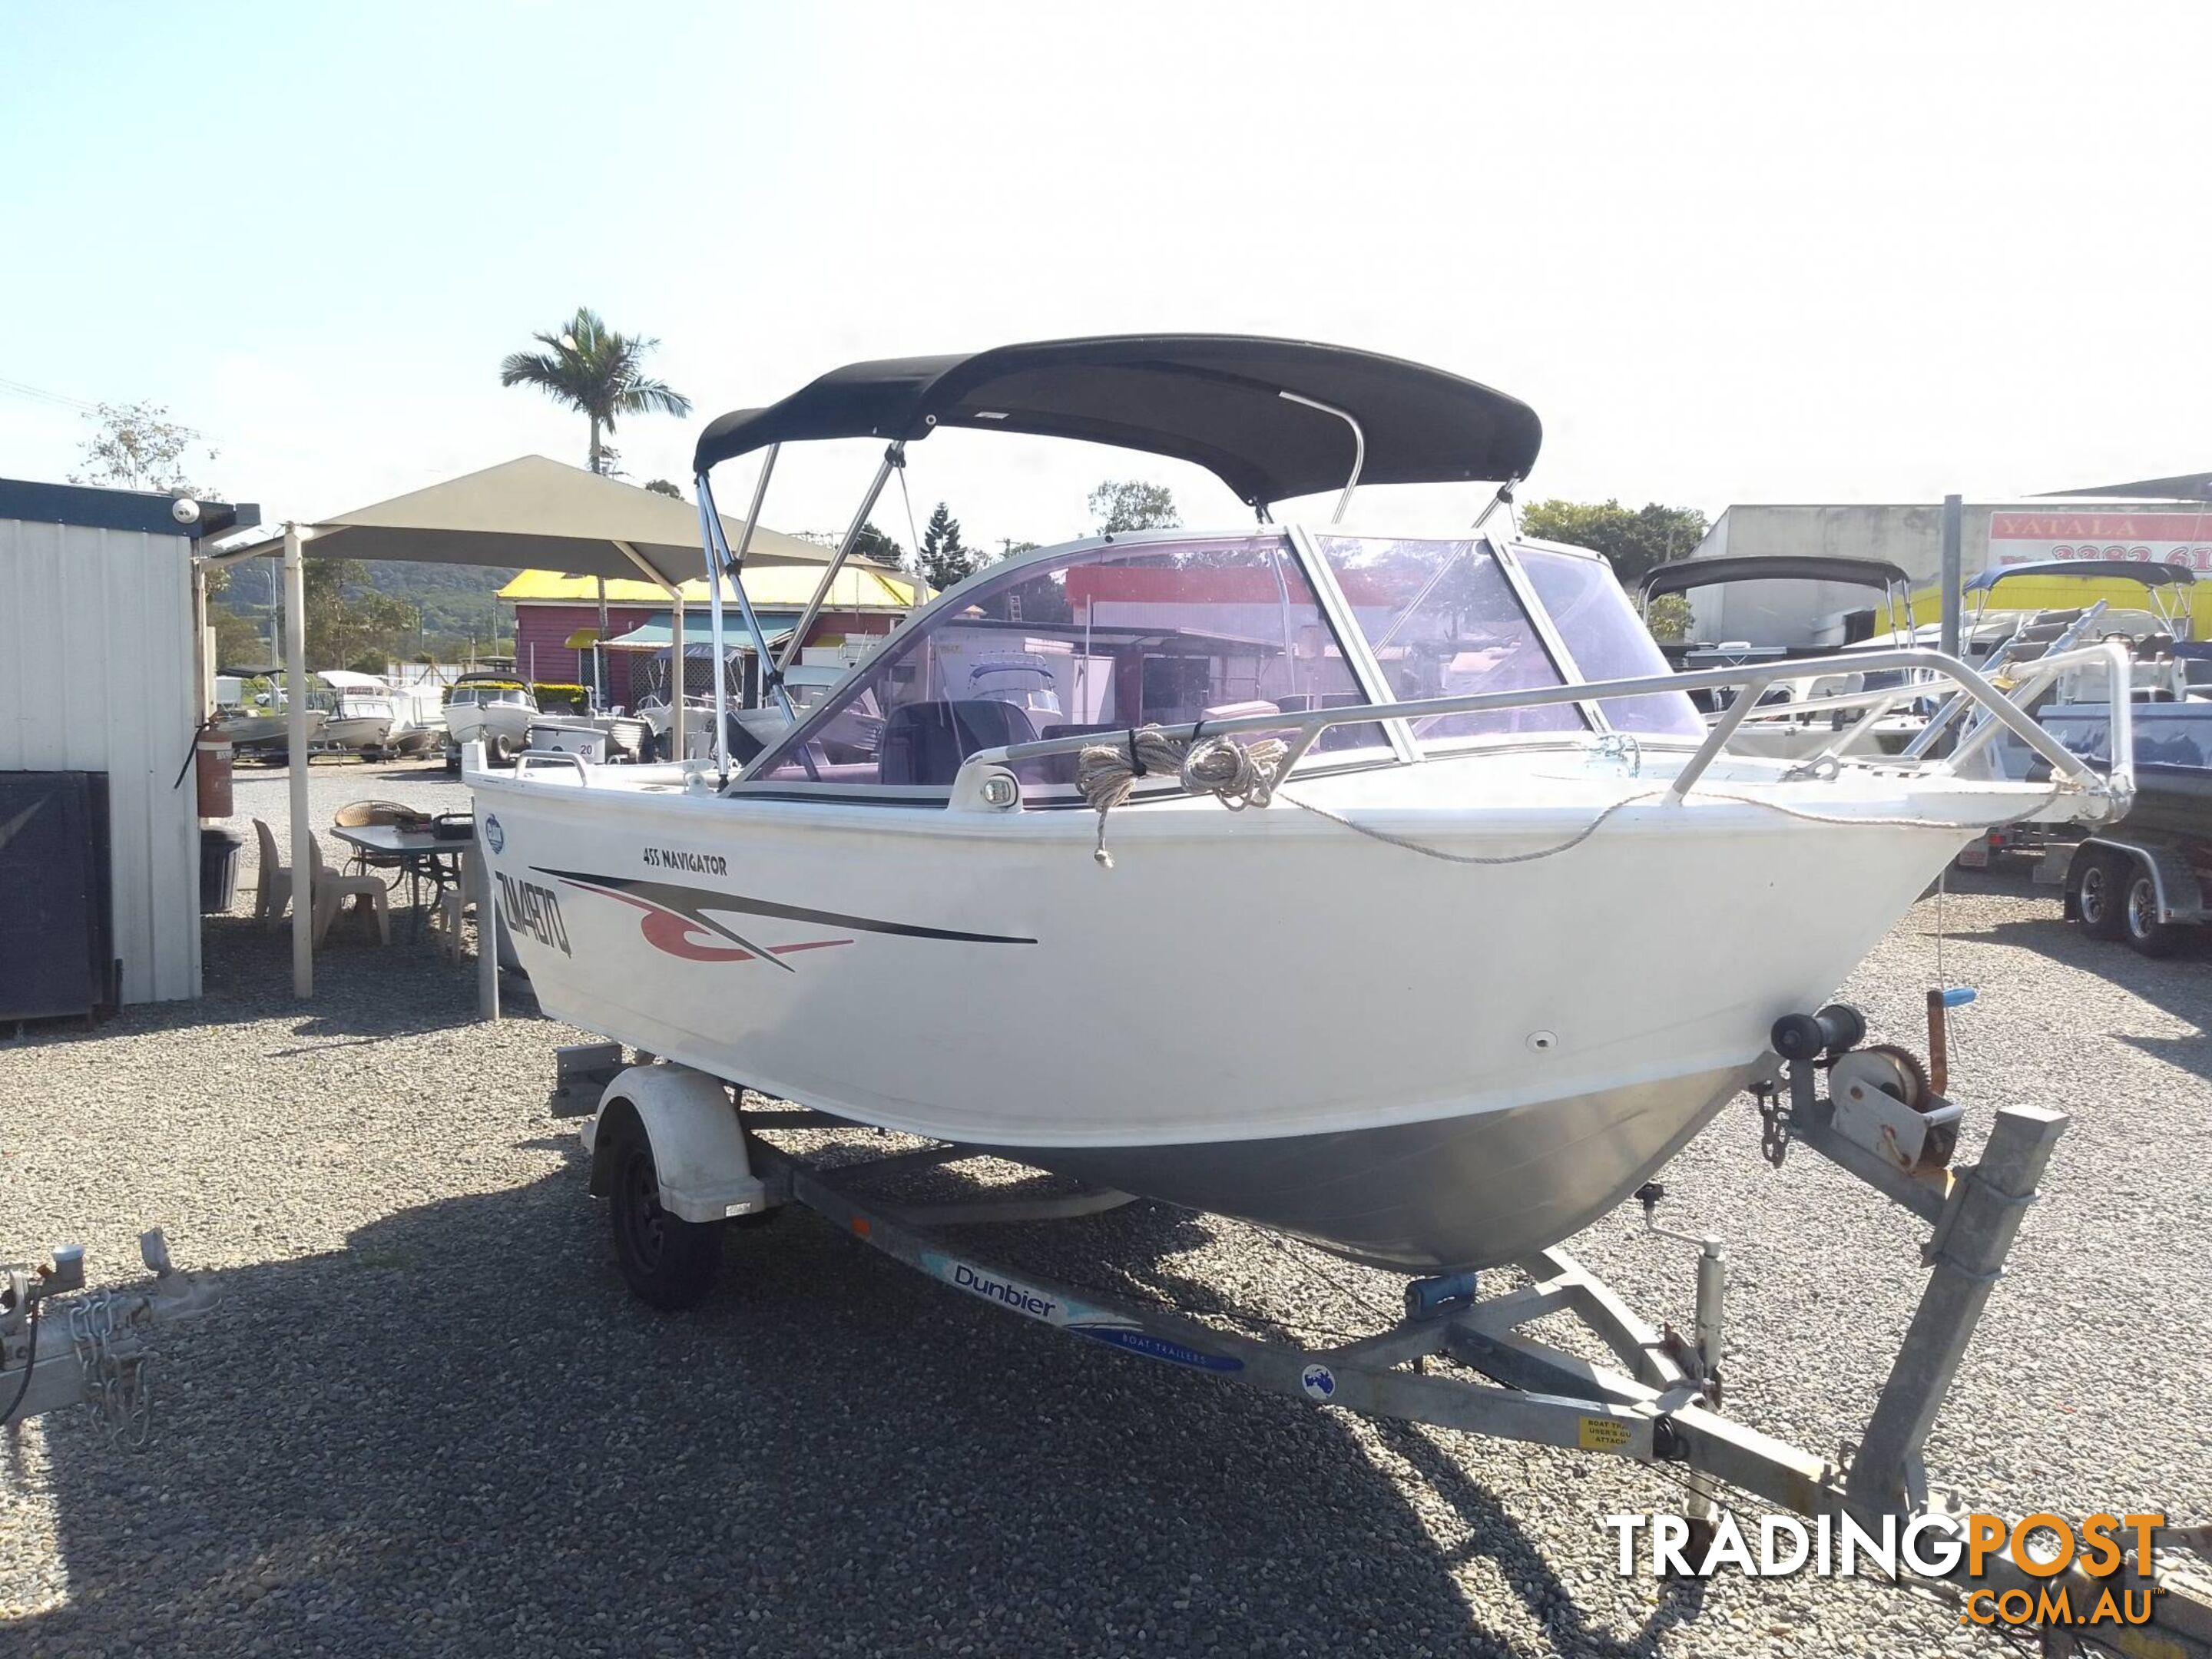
[
  {"x": 62, "y": 1344},
  {"x": 709, "y": 1161}
]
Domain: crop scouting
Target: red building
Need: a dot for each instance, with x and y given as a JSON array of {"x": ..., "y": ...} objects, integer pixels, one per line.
[{"x": 551, "y": 610}]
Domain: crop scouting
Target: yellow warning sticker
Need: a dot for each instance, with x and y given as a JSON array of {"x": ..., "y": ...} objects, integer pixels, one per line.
[{"x": 1603, "y": 1434}]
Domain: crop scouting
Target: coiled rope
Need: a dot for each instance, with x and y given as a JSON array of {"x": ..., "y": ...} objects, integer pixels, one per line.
[
  {"x": 1243, "y": 774},
  {"x": 1239, "y": 775}
]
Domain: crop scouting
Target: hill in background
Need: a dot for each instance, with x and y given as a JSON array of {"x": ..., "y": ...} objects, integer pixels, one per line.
[{"x": 458, "y": 601}]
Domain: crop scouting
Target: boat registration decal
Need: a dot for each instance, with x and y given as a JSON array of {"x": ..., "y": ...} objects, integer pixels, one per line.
[
  {"x": 532, "y": 909},
  {"x": 1061, "y": 1313},
  {"x": 677, "y": 922}
]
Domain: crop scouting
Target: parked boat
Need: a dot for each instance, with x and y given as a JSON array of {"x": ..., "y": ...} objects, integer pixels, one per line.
[
  {"x": 1779, "y": 726},
  {"x": 1430, "y": 1008},
  {"x": 257, "y": 725},
  {"x": 418, "y": 718},
  {"x": 493, "y": 710},
  {"x": 359, "y": 712}
]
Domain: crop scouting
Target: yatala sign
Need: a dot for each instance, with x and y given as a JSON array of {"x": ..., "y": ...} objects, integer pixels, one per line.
[{"x": 2162, "y": 536}]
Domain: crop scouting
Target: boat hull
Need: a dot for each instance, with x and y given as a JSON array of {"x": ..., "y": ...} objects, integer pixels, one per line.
[
  {"x": 1437, "y": 1196},
  {"x": 1422, "y": 1064},
  {"x": 355, "y": 731}
]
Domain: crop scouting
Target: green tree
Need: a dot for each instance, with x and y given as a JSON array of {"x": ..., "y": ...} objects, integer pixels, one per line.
[
  {"x": 877, "y": 548},
  {"x": 351, "y": 623},
  {"x": 239, "y": 642},
  {"x": 596, "y": 372},
  {"x": 1123, "y": 504},
  {"x": 138, "y": 446},
  {"x": 944, "y": 559},
  {"x": 1670, "y": 617},
  {"x": 1632, "y": 542},
  {"x": 1041, "y": 598}
]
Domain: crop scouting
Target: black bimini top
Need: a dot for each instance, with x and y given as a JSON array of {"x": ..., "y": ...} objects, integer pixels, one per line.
[
  {"x": 1216, "y": 399},
  {"x": 1683, "y": 574},
  {"x": 2149, "y": 572}
]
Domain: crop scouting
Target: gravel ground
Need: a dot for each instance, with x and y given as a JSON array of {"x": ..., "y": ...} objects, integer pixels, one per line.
[{"x": 428, "y": 1418}]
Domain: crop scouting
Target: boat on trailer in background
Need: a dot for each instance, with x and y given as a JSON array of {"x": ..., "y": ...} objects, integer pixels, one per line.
[
  {"x": 1779, "y": 725},
  {"x": 1423, "y": 1010}
]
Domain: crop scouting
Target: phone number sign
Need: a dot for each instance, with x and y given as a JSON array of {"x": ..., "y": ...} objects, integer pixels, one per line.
[{"x": 2182, "y": 537}]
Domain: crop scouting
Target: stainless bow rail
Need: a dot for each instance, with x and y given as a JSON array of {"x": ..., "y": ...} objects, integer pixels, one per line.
[{"x": 2113, "y": 790}]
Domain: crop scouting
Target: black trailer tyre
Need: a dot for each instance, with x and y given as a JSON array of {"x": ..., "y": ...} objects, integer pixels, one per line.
[
  {"x": 498, "y": 752},
  {"x": 665, "y": 1260},
  {"x": 2100, "y": 893},
  {"x": 2145, "y": 931}
]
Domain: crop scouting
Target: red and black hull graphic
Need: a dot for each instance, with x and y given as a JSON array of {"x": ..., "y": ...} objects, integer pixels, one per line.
[{"x": 676, "y": 920}]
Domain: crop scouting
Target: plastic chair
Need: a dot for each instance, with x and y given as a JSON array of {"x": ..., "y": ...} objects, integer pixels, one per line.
[
  {"x": 445, "y": 919},
  {"x": 328, "y": 890}
]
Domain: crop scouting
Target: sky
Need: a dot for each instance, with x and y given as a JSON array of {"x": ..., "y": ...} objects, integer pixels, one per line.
[{"x": 1733, "y": 254}]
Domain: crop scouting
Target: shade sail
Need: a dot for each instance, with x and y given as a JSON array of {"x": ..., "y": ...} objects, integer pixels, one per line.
[
  {"x": 536, "y": 512},
  {"x": 658, "y": 635},
  {"x": 1236, "y": 405}
]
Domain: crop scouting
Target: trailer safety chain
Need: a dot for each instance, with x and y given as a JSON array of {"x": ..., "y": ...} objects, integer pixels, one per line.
[
  {"x": 1774, "y": 1121},
  {"x": 118, "y": 1391}
]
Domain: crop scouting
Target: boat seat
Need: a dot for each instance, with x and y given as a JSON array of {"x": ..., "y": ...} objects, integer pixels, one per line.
[
  {"x": 1061, "y": 768},
  {"x": 924, "y": 742}
]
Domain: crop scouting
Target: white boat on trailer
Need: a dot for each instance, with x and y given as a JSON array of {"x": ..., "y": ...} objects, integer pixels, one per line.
[
  {"x": 1423, "y": 1010},
  {"x": 491, "y": 708}
]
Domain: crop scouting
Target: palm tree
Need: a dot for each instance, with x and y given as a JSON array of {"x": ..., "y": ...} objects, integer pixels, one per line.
[
  {"x": 596, "y": 372},
  {"x": 593, "y": 369}
]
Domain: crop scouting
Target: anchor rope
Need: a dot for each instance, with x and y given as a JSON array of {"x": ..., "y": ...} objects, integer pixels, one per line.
[
  {"x": 1242, "y": 774},
  {"x": 1238, "y": 774}
]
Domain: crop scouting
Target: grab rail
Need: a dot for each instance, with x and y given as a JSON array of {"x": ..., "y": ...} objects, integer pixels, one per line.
[
  {"x": 583, "y": 773},
  {"x": 2116, "y": 786}
]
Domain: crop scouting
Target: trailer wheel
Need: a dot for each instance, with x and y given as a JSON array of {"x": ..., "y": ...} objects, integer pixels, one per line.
[
  {"x": 2098, "y": 896},
  {"x": 2145, "y": 931},
  {"x": 666, "y": 1261},
  {"x": 498, "y": 752}
]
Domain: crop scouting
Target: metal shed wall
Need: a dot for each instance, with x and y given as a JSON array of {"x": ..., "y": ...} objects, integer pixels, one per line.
[{"x": 96, "y": 675}]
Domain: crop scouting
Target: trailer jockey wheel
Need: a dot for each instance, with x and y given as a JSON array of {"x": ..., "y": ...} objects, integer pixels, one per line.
[{"x": 665, "y": 1260}]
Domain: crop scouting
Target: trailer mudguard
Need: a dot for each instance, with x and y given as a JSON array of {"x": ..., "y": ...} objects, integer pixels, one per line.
[
  {"x": 698, "y": 1145},
  {"x": 2174, "y": 887}
]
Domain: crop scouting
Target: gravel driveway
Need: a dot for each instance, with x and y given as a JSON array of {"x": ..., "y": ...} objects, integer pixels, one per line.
[{"x": 428, "y": 1420}]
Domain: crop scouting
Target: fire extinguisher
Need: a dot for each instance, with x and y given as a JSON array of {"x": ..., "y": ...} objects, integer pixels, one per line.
[{"x": 211, "y": 766}]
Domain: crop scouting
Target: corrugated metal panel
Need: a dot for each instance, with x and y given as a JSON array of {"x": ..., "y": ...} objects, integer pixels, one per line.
[{"x": 98, "y": 677}]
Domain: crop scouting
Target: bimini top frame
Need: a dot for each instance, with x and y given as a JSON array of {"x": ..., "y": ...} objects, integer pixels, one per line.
[
  {"x": 2148, "y": 574},
  {"x": 1270, "y": 418},
  {"x": 1683, "y": 574},
  {"x": 1254, "y": 412}
]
